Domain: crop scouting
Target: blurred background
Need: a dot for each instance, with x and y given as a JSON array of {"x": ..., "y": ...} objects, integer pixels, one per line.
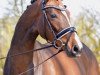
[{"x": 85, "y": 16}]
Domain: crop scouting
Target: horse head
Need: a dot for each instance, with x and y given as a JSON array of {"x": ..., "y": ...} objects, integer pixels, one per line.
[{"x": 56, "y": 27}]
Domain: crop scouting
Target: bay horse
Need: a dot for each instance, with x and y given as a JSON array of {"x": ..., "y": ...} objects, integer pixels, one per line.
[{"x": 50, "y": 19}]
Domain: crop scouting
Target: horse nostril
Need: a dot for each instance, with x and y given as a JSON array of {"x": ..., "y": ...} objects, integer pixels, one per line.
[{"x": 75, "y": 49}]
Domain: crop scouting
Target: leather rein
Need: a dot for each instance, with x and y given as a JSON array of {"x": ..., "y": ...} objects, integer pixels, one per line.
[{"x": 57, "y": 37}]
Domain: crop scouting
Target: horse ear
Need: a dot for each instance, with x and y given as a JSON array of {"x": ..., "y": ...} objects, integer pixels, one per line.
[
  {"x": 49, "y": 0},
  {"x": 59, "y": 0}
]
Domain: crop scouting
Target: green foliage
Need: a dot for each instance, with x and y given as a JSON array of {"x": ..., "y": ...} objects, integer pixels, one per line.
[
  {"x": 87, "y": 30},
  {"x": 6, "y": 32},
  {"x": 7, "y": 25},
  {"x": 40, "y": 39}
]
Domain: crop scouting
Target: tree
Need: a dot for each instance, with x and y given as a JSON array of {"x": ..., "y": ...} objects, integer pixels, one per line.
[
  {"x": 15, "y": 7},
  {"x": 7, "y": 25},
  {"x": 88, "y": 25}
]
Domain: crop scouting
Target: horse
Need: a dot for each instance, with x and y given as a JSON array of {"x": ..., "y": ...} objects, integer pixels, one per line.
[
  {"x": 62, "y": 64},
  {"x": 51, "y": 20}
]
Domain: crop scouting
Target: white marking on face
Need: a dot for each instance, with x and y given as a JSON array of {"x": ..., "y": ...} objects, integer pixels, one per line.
[
  {"x": 66, "y": 17},
  {"x": 78, "y": 41},
  {"x": 76, "y": 36}
]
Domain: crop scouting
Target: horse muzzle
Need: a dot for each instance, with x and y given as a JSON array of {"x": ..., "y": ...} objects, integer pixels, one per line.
[{"x": 74, "y": 52}]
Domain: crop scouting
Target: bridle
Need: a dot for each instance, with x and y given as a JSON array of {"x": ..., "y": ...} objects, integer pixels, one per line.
[{"x": 59, "y": 35}]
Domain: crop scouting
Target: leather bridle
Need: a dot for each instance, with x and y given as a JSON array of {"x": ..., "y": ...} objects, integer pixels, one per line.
[{"x": 58, "y": 36}]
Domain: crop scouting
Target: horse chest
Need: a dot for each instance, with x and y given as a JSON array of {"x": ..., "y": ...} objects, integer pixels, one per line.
[{"x": 58, "y": 65}]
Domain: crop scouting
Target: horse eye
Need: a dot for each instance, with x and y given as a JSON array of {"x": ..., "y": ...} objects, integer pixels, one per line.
[
  {"x": 53, "y": 16},
  {"x": 65, "y": 6}
]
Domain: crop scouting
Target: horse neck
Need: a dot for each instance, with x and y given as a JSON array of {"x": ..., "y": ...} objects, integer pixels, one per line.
[
  {"x": 26, "y": 30},
  {"x": 23, "y": 40}
]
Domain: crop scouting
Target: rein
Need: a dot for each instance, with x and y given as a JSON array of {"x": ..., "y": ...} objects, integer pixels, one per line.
[
  {"x": 27, "y": 52},
  {"x": 34, "y": 51},
  {"x": 57, "y": 37},
  {"x": 41, "y": 63}
]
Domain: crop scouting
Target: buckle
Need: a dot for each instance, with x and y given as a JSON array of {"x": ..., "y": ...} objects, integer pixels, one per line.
[{"x": 58, "y": 44}]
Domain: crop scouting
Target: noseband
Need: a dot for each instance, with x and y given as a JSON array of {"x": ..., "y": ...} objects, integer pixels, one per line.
[{"x": 58, "y": 36}]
